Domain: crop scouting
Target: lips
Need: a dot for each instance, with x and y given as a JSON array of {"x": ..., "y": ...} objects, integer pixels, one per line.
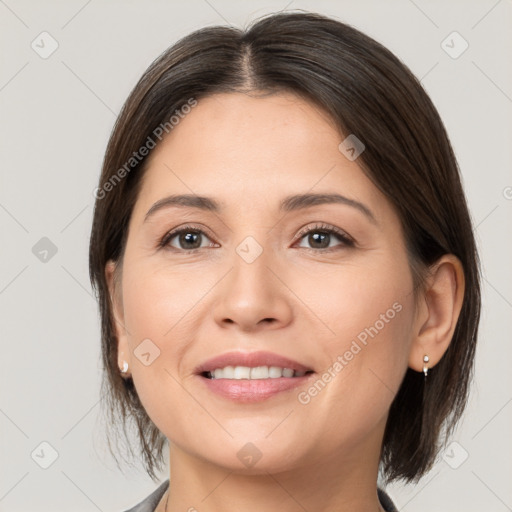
[
  {"x": 251, "y": 360},
  {"x": 250, "y": 377}
]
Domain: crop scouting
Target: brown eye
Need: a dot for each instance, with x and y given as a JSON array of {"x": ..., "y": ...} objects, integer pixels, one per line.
[
  {"x": 321, "y": 237},
  {"x": 187, "y": 239}
]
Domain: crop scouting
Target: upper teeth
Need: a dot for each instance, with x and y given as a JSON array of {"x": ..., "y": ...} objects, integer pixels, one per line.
[{"x": 259, "y": 372}]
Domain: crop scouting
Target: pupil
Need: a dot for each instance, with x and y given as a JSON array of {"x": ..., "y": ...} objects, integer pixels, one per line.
[
  {"x": 188, "y": 238},
  {"x": 316, "y": 237}
]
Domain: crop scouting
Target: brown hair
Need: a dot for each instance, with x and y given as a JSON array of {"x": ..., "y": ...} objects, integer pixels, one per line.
[{"x": 368, "y": 92}]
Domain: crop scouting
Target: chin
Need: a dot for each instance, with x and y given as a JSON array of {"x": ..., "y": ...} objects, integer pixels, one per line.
[{"x": 258, "y": 457}]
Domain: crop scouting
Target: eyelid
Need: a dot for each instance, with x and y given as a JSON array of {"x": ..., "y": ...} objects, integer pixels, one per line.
[
  {"x": 169, "y": 235},
  {"x": 342, "y": 235}
]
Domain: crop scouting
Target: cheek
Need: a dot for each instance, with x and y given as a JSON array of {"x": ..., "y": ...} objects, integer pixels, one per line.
[
  {"x": 159, "y": 302},
  {"x": 160, "y": 309},
  {"x": 370, "y": 312},
  {"x": 369, "y": 299},
  {"x": 356, "y": 315},
  {"x": 370, "y": 307},
  {"x": 366, "y": 357}
]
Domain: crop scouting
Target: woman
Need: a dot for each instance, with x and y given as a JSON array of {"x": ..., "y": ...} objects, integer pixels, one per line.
[{"x": 286, "y": 270}]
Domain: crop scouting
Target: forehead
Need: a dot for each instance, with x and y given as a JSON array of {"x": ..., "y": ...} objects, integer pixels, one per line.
[{"x": 248, "y": 149}]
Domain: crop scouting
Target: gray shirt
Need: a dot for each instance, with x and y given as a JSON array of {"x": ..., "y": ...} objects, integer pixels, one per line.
[{"x": 149, "y": 503}]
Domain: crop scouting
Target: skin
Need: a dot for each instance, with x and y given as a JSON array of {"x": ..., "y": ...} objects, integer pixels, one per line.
[{"x": 248, "y": 153}]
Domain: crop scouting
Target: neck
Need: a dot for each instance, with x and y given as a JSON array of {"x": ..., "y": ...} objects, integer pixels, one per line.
[{"x": 334, "y": 484}]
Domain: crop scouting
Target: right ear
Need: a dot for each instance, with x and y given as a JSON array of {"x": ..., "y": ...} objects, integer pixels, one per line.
[{"x": 116, "y": 305}]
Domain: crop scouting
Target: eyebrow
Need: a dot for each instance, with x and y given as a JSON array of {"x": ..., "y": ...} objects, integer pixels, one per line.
[{"x": 288, "y": 204}]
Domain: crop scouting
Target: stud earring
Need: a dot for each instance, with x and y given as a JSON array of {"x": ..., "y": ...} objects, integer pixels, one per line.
[
  {"x": 425, "y": 367},
  {"x": 125, "y": 367}
]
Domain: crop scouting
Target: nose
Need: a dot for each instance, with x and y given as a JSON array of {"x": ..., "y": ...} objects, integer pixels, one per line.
[{"x": 252, "y": 296}]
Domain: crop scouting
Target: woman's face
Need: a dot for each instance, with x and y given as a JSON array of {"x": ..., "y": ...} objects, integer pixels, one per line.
[{"x": 270, "y": 278}]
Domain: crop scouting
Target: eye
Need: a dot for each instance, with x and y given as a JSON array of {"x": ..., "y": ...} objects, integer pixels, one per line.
[
  {"x": 321, "y": 236},
  {"x": 188, "y": 239}
]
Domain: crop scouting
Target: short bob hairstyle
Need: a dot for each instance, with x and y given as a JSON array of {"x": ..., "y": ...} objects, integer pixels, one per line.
[{"x": 366, "y": 91}]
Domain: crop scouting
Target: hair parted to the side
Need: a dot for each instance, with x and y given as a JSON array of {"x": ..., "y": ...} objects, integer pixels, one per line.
[{"x": 366, "y": 91}]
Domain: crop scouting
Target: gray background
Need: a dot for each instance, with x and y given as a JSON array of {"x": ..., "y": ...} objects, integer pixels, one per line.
[{"x": 56, "y": 116}]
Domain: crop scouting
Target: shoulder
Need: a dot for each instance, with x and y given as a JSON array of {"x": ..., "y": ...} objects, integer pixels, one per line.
[{"x": 149, "y": 503}]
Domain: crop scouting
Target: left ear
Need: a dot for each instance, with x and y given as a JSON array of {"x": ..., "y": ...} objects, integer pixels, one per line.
[{"x": 438, "y": 312}]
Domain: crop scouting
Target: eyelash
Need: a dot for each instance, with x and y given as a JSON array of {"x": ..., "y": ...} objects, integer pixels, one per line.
[{"x": 346, "y": 240}]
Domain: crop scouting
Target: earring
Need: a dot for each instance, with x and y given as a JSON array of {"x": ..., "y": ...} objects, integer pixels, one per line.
[
  {"x": 425, "y": 367},
  {"x": 125, "y": 367}
]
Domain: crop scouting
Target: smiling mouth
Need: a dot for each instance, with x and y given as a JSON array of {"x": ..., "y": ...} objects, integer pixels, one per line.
[{"x": 253, "y": 373}]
